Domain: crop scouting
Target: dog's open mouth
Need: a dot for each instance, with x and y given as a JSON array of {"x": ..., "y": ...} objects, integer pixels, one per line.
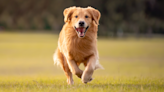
[{"x": 81, "y": 31}]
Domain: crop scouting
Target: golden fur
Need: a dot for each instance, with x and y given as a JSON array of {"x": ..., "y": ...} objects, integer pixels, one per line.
[{"x": 73, "y": 50}]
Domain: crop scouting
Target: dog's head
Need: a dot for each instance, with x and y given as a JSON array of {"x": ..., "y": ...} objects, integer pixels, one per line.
[{"x": 81, "y": 18}]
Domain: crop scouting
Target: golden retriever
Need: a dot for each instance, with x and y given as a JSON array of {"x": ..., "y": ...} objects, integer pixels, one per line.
[{"x": 77, "y": 43}]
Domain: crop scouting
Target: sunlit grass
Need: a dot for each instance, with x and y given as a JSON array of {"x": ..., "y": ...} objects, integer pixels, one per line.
[{"x": 130, "y": 64}]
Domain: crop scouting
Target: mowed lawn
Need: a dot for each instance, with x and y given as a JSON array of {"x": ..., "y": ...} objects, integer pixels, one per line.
[{"x": 131, "y": 65}]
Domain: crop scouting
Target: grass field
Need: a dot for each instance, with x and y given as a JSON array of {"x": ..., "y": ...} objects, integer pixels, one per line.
[{"x": 131, "y": 65}]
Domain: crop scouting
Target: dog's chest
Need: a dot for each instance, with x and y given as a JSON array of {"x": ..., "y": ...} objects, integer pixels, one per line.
[{"x": 79, "y": 50}]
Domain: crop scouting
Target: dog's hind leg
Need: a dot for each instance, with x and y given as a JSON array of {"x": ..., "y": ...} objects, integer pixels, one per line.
[
  {"x": 67, "y": 73},
  {"x": 60, "y": 59}
]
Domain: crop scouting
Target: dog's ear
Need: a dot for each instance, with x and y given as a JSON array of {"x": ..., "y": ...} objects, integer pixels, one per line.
[
  {"x": 95, "y": 14},
  {"x": 68, "y": 12}
]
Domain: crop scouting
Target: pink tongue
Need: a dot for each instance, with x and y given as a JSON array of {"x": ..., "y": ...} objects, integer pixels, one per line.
[
  {"x": 81, "y": 34},
  {"x": 81, "y": 31}
]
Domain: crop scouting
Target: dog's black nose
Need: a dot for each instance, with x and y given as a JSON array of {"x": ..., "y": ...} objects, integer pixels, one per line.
[{"x": 81, "y": 23}]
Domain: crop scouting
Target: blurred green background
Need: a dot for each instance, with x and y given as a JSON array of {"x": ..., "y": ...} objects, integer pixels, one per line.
[{"x": 119, "y": 17}]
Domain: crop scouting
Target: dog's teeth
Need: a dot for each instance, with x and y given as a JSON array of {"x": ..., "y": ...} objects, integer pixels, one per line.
[{"x": 81, "y": 34}]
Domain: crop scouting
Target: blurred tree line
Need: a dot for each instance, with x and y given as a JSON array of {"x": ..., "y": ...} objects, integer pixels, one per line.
[{"x": 119, "y": 17}]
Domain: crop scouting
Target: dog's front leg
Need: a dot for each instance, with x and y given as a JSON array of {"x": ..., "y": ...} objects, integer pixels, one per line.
[
  {"x": 74, "y": 68},
  {"x": 89, "y": 69}
]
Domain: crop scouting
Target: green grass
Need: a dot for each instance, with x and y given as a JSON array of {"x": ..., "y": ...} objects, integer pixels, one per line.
[{"x": 131, "y": 65}]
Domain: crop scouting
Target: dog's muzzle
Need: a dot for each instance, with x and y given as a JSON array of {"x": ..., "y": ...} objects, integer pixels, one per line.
[{"x": 81, "y": 31}]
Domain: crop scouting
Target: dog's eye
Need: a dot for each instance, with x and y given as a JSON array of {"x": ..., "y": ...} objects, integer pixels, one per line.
[
  {"x": 76, "y": 16},
  {"x": 86, "y": 16}
]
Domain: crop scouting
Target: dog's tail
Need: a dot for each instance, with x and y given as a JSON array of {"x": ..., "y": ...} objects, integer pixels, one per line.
[{"x": 56, "y": 58}]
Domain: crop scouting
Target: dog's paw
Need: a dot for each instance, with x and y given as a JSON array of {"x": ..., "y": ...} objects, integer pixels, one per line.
[
  {"x": 86, "y": 77},
  {"x": 70, "y": 81},
  {"x": 87, "y": 80}
]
